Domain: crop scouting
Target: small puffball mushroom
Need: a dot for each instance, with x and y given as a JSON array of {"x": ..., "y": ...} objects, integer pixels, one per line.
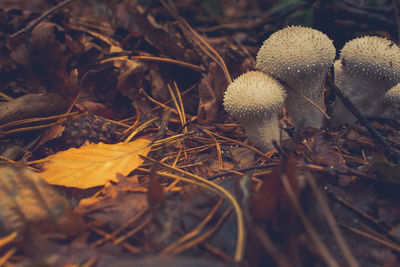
[
  {"x": 368, "y": 67},
  {"x": 255, "y": 99},
  {"x": 300, "y": 57}
]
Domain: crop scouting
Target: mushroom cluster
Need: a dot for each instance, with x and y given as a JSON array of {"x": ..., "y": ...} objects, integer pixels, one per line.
[{"x": 293, "y": 63}]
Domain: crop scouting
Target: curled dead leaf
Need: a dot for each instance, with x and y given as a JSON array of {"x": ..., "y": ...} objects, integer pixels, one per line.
[{"x": 26, "y": 200}]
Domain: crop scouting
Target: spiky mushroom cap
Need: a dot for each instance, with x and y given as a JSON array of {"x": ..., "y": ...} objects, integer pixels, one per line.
[
  {"x": 374, "y": 58},
  {"x": 368, "y": 68},
  {"x": 294, "y": 52},
  {"x": 254, "y": 94}
]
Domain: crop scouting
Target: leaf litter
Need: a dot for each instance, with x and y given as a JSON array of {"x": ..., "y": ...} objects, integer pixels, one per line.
[{"x": 166, "y": 176}]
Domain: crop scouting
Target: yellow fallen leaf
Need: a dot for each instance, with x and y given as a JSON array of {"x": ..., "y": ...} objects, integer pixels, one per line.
[{"x": 94, "y": 164}]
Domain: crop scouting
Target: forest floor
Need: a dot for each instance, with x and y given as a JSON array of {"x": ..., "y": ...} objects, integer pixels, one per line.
[{"x": 117, "y": 106}]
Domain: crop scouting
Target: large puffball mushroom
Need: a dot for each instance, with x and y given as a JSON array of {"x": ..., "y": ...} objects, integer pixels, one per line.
[
  {"x": 300, "y": 57},
  {"x": 368, "y": 67},
  {"x": 255, "y": 99}
]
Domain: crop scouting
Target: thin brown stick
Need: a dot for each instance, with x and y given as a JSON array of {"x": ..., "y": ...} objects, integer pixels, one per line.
[
  {"x": 158, "y": 59},
  {"x": 204, "y": 236},
  {"x": 7, "y": 255},
  {"x": 217, "y": 252},
  {"x": 394, "y": 155},
  {"x": 8, "y": 239},
  {"x": 192, "y": 234},
  {"x": 114, "y": 234},
  {"x": 237, "y": 142},
  {"x": 124, "y": 245},
  {"x": 371, "y": 237},
  {"x": 133, "y": 231},
  {"x": 358, "y": 211},
  {"x": 35, "y": 22}
]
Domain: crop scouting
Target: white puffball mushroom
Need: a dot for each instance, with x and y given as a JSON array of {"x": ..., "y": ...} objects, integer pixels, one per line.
[
  {"x": 255, "y": 99},
  {"x": 368, "y": 67},
  {"x": 301, "y": 57}
]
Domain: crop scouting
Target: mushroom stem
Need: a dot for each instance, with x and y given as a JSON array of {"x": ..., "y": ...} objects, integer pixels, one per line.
[
  {"x": 262, "y": 131},
  {"x": 299, "y": 109}
]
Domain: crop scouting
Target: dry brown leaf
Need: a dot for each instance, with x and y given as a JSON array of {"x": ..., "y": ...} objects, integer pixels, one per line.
[
  {"x": 94, "y": 164},
  {"x": 26, "y": 200}
]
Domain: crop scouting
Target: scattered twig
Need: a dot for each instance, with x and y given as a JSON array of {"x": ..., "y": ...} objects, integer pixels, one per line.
[
  {"x": 217, "y": 252},
  {"x": 192, "y": 178},
  {"x": 237, "y": 142},
  {"x": 394, "y": 155},
  {"x": 204, "y": 236},
  {"x": 7, "y": 256},
  {"x": 124, "y": 245},
  {"x": 8, "y": 239},
  {"x": 169, "y": 250},
  {"x": 303, "y": 166},
  {"x": 369, "y": 218},
  {"x": 235, "y": 171},
  {"x": 27, "y": 30},
  {"x": 133, "y": 231},
  {"x": 385, "y": 243},
  {"x": 158, "y": 59},
  {"x": 113, "y": 235}
]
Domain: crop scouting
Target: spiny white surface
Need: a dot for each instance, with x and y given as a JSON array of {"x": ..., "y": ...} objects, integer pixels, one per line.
[
  {"x": 254, "y": 94},
  {"x": 296, "y": 51},
  {"x": 372, "y": 57}
]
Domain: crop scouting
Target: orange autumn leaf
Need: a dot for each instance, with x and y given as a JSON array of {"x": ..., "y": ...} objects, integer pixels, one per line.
[{"x": 94, "y": 164}]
